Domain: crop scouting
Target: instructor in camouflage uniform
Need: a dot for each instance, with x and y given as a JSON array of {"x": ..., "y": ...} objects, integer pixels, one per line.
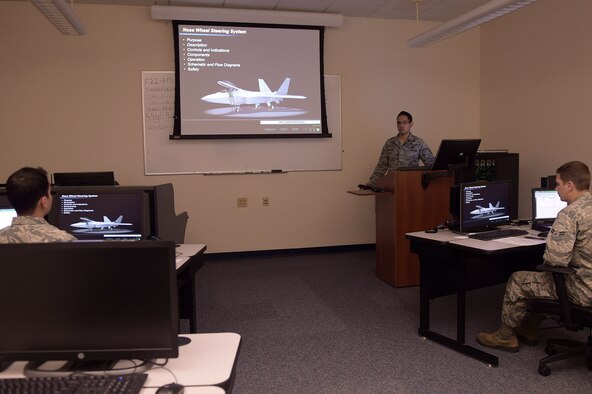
[
  {"x": 402, "y": 150},
  {"x": 29, "y": 193},
  {"x": 569, "y": 243}
]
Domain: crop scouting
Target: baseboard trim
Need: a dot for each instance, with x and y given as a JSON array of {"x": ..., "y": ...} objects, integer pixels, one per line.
[{"x": 289, "y": 252}]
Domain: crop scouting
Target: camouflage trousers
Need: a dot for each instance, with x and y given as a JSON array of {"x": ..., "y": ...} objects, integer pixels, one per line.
[{"x": 522, "y": 286}]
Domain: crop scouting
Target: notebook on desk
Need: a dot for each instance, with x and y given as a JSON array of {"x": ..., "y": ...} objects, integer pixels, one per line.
[{"x": 546, "y": 204}]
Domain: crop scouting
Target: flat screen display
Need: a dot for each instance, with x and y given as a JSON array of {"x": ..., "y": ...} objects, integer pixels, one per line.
[
  {"x": 87, "y": 301},
  {"x": 546, "y": 204},
  {"x": 248, "y": 81},
  {"x": 456, "y": 153},
  {"x": 107, "y": 213},
  {"x": 6, "y": 215},
  {"x": 484, "y": 205}
]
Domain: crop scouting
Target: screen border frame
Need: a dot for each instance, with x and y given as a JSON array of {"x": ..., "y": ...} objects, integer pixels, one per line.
[
  {"x": 177, "y": 133},
  {"x": 171, "y": 351},
  {"x": 461, "y": 218}
]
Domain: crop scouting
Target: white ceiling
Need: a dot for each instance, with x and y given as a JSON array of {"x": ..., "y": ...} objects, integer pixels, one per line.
[{"x": 433, "y": 10}]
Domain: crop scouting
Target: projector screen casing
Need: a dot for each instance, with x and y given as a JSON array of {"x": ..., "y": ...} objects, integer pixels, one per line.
[{"x": 229, "y": 61}]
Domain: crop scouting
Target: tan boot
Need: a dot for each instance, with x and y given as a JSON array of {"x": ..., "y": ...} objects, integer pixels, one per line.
[
  {"x": 528, "y": 332},
  {"x": 502, "y": 339}
]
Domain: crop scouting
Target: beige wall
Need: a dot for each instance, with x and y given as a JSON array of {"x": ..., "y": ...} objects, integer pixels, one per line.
[
  {"x": 74, "y": 104},
  {"x": 536, "y": 88}
]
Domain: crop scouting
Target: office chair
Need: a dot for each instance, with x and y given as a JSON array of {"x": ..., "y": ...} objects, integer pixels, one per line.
[{"x": 572, "y": 317}]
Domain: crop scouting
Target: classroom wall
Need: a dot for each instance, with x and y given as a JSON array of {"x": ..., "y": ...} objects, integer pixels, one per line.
[
  {"x": 74, "y": 104},
  {"x": 536, "y": 88}
]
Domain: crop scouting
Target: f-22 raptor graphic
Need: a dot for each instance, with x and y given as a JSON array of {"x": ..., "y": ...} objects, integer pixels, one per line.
[
  {"x": 487, "y": 211},
  {"x": 236, "y": 96},
  {"x": 90, "y": 225}
]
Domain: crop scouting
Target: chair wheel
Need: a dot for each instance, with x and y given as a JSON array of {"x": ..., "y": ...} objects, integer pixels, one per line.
[
  {"x": 544, "y": 370},
  {"x": 550, "y": 350}
]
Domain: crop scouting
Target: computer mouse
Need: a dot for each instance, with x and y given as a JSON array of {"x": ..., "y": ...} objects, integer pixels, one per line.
[{"x": 171, "y": 388}]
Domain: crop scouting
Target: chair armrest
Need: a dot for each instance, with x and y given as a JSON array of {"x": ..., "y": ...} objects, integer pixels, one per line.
[
  {"x": 557, "y": 269},
  {"x": 559, "y": 275}
]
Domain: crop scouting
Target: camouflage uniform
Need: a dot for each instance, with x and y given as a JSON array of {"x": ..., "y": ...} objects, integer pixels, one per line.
[
  {"x": 569, "y": 243},
  {"x": 396, "y": 154},
  {"x": 30, "y": 229}
]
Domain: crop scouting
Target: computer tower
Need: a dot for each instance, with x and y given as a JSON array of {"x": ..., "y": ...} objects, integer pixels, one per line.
[
  {"x": 548, "y": 182},
  {"x": 497, "y": 166}
]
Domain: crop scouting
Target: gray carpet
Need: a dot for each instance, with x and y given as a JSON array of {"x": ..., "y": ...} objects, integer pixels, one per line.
[{"x": 323, "y": 323}]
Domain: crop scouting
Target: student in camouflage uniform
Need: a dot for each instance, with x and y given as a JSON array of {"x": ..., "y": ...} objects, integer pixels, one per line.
[
  {"x": 569, "y": 243},
  {"x": 402, "y": 150},
  {"x": 29, "y": 193}
]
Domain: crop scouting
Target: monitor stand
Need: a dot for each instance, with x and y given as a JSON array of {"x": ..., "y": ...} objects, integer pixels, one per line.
[
  {"x": 91, "y": 367},
  {"x": 4, "y": 365},
  {"x": 182, "y": 341}
]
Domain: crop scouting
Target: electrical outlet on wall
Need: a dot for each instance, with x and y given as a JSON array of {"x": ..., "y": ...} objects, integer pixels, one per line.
[{"x": 242, "y": 202}]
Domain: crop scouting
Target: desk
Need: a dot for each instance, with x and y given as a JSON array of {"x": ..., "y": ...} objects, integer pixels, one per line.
[
  {"x": 451, "y": 264},
  {"x": 188, "y": 261},
  {"x": 204, "y": 366}
]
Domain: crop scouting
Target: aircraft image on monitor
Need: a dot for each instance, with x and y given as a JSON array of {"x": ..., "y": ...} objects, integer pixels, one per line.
[
  {"x": 491, "y": 210},
  {"x": 235, "y": 96},
  {"x": 106, "y": 224}
]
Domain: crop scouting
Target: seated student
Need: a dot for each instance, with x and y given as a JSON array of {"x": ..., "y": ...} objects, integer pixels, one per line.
[
  {"x": 569, "y": 243},
  {"x": 29, "y": 193},
  {"x": 402, "y": 150}
]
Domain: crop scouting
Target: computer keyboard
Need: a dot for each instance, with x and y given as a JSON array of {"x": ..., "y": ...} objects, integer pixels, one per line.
[
  {"x": 79, "y": 384},
  {"x": 496, "y": 234}
]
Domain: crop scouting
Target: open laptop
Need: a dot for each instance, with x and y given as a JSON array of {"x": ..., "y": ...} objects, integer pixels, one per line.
[
  {"x": 546, "y": 204},
  {"x": 6, "y": 215}
]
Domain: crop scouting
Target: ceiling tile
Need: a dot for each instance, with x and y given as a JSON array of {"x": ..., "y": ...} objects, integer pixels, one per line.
[{"x": 355, "y": 7}]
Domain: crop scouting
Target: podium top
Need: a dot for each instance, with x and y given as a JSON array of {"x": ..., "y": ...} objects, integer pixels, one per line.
[
  {"x": 359, "y": 192},
  {"x": 414, "y": 168}
]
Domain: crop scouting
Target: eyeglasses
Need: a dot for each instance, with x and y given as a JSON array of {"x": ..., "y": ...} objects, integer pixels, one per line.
[{"x": 402, "y": 123}]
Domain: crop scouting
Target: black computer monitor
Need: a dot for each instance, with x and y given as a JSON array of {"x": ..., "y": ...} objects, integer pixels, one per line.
[
  {"x": 456, "y": 153},
  {"x": 105, "y": 213},
  {"x": 546, "y": 204},
  {"x": 88, "y": 301},
  {"x": 484, "y": 205},
  {"x": 106, "y": 178}
]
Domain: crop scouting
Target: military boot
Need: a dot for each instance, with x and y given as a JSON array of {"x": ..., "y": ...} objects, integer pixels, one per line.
[
  {"x": 528, "y": 332},
  {"x": 502, "y": 339}
]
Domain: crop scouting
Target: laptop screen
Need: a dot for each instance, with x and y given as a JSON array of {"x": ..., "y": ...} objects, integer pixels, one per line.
[
  {"x": 6, "y": 215},
  {"x": 546, "y": 204}
]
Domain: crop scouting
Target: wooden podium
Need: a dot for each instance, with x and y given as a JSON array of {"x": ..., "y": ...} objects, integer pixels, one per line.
[{"x": 407, "y": 206}]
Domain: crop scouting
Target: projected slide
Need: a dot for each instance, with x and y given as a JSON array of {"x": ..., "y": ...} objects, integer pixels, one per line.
[
  {"x": 98, "y": 216},
  {"x": 247, "y": 80}
]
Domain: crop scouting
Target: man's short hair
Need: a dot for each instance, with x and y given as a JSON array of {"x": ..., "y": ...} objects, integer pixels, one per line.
[
  {"x": 25, "y": 187},
  {"x": 576, "y": 172},
  {"x": 407, "y": 114}
]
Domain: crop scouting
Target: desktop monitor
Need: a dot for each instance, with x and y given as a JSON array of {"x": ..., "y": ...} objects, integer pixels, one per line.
[
  {"x": 546, "y": 204},
  {"x": 484, "y": 205},
  {"x": 106, "y": 178},
  {"x": 106, "y": 213},
  {"x": 456, "y": 153},
  {"x": 89, "y": 302}
]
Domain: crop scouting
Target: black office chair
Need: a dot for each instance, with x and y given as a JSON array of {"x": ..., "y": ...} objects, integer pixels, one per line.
[{"x": 572, "y": 317}]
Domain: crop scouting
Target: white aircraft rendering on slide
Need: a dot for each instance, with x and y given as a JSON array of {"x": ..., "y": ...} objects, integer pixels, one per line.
[
  {"x": 486, "y": 211},
  {"x": 236, "y": 96},
  {"x": 105, "y": 224}
]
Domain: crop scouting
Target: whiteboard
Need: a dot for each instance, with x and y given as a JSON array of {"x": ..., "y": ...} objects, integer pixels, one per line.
[{"x": 165, "y": 156}]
